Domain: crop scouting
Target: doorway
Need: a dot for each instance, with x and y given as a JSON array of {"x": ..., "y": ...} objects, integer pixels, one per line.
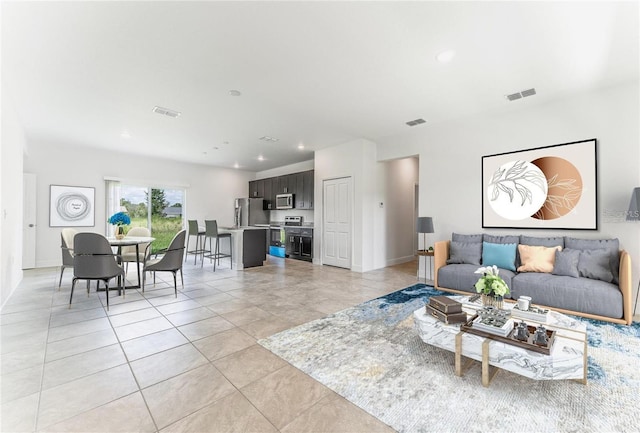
[
  {"x": 337, "y": 226},
  {"x": 29, "y": 221}
]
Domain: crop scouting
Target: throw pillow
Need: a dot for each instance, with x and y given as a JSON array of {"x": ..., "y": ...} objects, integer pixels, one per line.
[
  {"x": 595, "y": 264},
  {"x": 464, "y": 252},
  {"x": 566, "y": 263},
  {"x": 611, "y": 245},
  {"x": 501, "y": 255},
  {"x": 537, "y": 258}
]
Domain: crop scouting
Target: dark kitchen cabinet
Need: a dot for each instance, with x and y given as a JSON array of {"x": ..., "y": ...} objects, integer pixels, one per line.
[{"x": 300, "y": 184}]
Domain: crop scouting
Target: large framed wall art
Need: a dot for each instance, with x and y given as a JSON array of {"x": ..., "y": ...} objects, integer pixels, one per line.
[
  {"x": 71, "y": 206},
  {"x": 552, "y": 187}
]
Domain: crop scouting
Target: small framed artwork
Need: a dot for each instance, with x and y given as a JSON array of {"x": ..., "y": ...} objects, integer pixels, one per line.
[
  {"x": 552, "y": 187},
  {"x": 71, "y": 206}
]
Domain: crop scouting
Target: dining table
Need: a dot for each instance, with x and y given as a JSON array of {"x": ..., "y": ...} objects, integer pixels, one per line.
[{"x": 131, "y": 241}]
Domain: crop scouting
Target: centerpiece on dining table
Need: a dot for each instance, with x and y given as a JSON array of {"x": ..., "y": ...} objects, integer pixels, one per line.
[
  {"x": 491, "y": 286},
  {"x": 119, "y": 220}
]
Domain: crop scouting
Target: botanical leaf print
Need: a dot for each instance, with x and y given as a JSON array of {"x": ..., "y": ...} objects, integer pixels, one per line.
[
  {"x": 517, "y": 178},
  {"x": 557, "y": 203}
]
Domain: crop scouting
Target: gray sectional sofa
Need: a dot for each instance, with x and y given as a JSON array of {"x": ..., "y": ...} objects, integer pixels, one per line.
[{"x": 585, "y": 277}]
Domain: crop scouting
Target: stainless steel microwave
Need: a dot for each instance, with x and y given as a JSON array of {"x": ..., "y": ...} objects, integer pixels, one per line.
[{"x": 284, "y": 201}]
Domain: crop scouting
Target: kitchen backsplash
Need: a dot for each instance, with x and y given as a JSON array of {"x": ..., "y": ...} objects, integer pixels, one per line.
[{"x": 306, "y": 214}]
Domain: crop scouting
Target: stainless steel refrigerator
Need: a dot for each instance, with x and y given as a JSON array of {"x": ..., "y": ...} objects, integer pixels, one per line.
[{"x": 250, "y": 211}]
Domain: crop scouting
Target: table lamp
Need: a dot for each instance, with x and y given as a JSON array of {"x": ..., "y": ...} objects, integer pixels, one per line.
[{"x": 424, "y": 225}]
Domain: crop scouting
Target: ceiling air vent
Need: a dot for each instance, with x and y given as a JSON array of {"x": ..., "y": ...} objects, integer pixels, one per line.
[
  {"x": 521, "y": 94},
  {"x": 416, "y": 122},
  {"x": 166, "y": 112}
]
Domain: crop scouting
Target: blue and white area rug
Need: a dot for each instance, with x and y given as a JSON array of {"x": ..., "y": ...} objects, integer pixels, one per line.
[{"x": 371, "y": 355}]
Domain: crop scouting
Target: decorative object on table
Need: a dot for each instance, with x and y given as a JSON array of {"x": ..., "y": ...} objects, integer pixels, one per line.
[
  {"x": 540, "y": 337},
  {"x": 472, "y": 326},
  {"x": 522, "y": 332},
  {"x": 491, "y": 286},
  {"x": 71, "y": 206},
  {"x": 119, "y": 220},
  {"x": 534, "y": 313},
  {"x": 524, "y": 302},
  {"x": 634, "y": 215},
  {"x": 494, "y": 321},
  {"x": 551, "y": 187},
  {"x": 424, "y": 225},
  {"x": 445, "y": 309}
]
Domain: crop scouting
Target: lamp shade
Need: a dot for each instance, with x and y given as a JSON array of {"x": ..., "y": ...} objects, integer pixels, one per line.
[
  {"x": 424, "y": 225},
  {"x": 634, "y": 206}
]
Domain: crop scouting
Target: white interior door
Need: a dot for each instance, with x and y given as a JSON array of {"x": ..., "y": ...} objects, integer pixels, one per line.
[
  {"x": 336, "y": 245},
  {"x": 29, "y": 221}
]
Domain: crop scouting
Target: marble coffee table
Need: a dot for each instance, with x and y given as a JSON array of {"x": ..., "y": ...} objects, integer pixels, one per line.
[{"x": 567, "y": 360}]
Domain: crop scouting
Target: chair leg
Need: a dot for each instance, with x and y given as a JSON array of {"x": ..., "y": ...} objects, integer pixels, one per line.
[
  {"x": 230, "y": 254},
  {"x": 73, "y": 285},
  {"x": 182, "y": 278},
  {"x": 175, "y": 283},
  {"x": 106, "y": 290},
  {"x": 89, "y": 287},
  {"x": 144, "y": 279},
  {"x": 61, "y": 272}
]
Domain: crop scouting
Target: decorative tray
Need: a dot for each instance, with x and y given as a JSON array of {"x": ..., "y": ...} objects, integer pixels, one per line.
[
  {"x": 534, "y": 313},
  {"x": 510, "y": 338}
]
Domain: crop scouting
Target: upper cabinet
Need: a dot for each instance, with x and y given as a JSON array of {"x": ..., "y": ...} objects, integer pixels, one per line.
[{"x": 299, "y": 184}]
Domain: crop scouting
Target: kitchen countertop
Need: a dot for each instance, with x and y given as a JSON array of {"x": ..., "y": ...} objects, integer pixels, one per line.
[{"x": 242, "y": 228}]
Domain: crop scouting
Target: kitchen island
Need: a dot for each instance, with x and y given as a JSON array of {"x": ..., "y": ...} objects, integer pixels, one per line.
[{"x": 248, "y": 246}]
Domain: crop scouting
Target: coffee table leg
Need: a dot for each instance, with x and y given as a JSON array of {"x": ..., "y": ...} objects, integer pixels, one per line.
[
  {"x": 487, "y": 373},
  {"x": 458, "y": 357}
]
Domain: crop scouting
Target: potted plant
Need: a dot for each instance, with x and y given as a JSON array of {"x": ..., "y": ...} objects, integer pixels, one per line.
[{"x": 491, "y": 286}]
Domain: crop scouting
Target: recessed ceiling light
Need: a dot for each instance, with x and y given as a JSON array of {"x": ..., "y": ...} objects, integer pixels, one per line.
[
  {"x": 300, "y": 146},
  {"x": 125, "y": 134},
  {"x": 236, "y": 165},
  {"x": 235, "y": 93},
  {"x": 260, "y": 158},
  {"x": 446, "y": 56}
]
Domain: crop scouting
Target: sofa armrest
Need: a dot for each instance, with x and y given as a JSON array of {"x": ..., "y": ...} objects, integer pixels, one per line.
[
  {"x": 626, "y": 286},
  {"x": 440, "y": 256}
]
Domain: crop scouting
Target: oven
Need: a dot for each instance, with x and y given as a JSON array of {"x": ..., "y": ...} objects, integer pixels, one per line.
[{"x": 298, "y": 239}]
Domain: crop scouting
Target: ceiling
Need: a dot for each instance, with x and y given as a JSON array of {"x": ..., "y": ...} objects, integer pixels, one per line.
[{"x": 310, "y": 73}]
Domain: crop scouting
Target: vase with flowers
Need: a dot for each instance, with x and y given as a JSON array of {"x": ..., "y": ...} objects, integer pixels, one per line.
[
  {"x": 119, "y": 220},
  {"x": 491, "y": 286}
]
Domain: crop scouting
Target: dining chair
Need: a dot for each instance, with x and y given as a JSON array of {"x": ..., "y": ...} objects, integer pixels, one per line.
[
  {"x": 211, "y": 233},
  {"x": 194, "y": 230},
  {"x": 66, "y": 246},
  {"x": 128, "y": 252},
  {"x": 93, "y": 259},
  {"x": 171, "y": 261}
]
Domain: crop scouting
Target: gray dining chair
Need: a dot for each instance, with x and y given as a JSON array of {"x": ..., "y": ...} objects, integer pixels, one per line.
[
  {"x": 211, "y": 233},
  {"x": 66, "y": 246},
  {"x": 171, "y": 261},
  {"x": 93, "y": 259}
]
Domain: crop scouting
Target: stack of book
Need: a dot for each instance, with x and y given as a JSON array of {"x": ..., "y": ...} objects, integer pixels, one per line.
[{"x": 446, "y": 310}]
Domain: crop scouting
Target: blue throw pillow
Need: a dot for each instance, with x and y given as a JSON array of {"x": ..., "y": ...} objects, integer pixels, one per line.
[{"x": 501, "y": 255}]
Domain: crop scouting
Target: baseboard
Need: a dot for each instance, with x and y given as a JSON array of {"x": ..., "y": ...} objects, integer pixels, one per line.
[
  {"x": 400, "y": 260},
  {"x": 48, "y": 264}
]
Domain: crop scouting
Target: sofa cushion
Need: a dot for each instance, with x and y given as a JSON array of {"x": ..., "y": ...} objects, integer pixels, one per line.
[
  {"x": 537, "y": 258},
  {"x": 611, "y": 245},
  {"x": 575, "y": 294},
  {"x": 566, "y": 263},
  {"x": 464, "y": 252},
  {"x": 506, "y": 239},
  {"x": 462, "y": 277},
  {"x": 542, "y": 241},
  {"x": 500, "y": 255},
  {"x": 472, "y": 239},
  {"x": 595, "y": 264}
]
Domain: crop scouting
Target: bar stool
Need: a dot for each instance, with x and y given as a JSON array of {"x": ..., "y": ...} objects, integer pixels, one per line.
[
  {"x": 211, "y": 232},
  {"x": 194, "y": 230}
]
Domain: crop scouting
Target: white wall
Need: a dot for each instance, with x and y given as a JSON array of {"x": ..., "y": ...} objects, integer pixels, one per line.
[
  {"x": 355, "y": 159},
  {"x": 286, "y": 169},
  {"x": 11, "y": 156},
  {"x": 210, "y": 193},
  {"x": 450, "y": 155}
]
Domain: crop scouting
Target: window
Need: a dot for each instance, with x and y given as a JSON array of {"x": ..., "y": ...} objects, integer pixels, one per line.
[{"x": 157, "y": 208}]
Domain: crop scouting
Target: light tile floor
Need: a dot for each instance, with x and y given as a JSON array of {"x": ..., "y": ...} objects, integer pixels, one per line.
[{"x": 155, "y": 362}]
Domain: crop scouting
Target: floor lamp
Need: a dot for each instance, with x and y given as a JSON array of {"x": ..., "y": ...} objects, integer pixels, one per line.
[
  {"x": 634, "y": 215},
  {"x": 424, "y": 225}
]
